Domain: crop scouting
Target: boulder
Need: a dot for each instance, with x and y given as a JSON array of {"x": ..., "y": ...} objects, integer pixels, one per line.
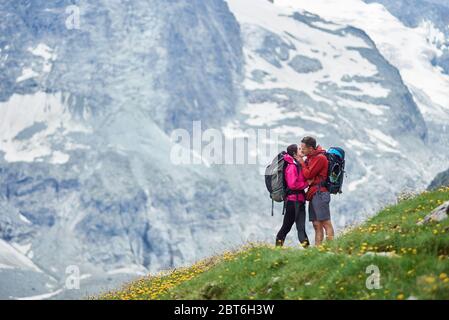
[{"x": 438, "y": 214}]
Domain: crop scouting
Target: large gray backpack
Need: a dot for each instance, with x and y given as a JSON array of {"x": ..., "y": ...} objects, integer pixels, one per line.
[{"x": 275, "y": 181}]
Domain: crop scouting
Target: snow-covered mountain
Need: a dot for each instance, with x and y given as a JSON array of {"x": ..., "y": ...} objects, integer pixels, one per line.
[
  {"x": 86, "y": 116},
  {"x": 431, "y": 15},
  {"x": 429, "y": 19},
  {"x": 326, "y": 76},
  {"x": 411, "y": 48}
]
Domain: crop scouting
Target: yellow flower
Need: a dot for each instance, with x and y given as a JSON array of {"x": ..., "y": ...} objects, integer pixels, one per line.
[
  {"x": 400, "y": 296},
  {"x": 429, "y": 279},
  {"x": 443, "y": 276}
]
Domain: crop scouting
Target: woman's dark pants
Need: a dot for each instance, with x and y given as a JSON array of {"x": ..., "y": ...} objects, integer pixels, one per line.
[{"x": 289, "y": 218}]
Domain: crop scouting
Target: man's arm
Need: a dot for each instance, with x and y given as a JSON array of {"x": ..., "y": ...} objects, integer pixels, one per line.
[{"x": 311, "y": 171}]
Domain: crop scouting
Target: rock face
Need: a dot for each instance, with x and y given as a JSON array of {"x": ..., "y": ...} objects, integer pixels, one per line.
[
  {"x": 438, "y": 214},
  {"x": 441, "y": 180},
  {"x": 85, "y": 122}
]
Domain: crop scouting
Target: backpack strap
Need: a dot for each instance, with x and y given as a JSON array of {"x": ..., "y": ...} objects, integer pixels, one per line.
[{"x": 319, "y": 187}]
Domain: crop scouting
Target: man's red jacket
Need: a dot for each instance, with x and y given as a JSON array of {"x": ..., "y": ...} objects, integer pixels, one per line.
[{"x": 315, "y": 168}]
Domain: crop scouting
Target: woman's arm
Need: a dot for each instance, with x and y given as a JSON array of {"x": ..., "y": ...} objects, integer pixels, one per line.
[{"x": 294, "y": 180}]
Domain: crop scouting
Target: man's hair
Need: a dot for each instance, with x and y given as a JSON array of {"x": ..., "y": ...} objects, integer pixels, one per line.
[
  {"x": 309, "y": 141},
  {"x": 292, "y": 149}
]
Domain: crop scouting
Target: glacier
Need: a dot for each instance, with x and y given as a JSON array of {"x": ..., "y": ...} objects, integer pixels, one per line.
[
  {"x": 86, "y": 117},
  {"x": 432, "y": 15}
]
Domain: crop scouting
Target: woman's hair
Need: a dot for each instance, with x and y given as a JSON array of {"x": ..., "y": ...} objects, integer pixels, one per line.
[{"x": 292, "y": 149}]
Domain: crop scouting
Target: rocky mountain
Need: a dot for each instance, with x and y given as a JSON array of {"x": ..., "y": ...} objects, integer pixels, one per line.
[
  {"x": 433, "y": 15},
  {"x": 309, "y": 74},
  {"x": 86, "y": 117},
  {"x": 411, "y": 50},
  {"x": 441, "y": 179}
]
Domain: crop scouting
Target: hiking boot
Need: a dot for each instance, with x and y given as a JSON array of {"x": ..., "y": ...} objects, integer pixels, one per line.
[
  {"x": 305, "y": 244},
  {"x": 279, "y": 243}
]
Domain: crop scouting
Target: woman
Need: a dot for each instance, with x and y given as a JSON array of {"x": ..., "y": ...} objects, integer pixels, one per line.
[{"x": 295, "y": 206}]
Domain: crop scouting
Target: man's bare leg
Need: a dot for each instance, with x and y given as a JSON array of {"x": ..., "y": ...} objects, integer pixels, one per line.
[
  {"x": 319, "y": 232},
  {"x": 327, "y": 225}
]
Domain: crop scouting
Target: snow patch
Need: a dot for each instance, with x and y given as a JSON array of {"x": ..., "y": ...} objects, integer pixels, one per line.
[
  {"x": 382, "y": 141},
  {"x": 22, "y": 248},
  {"x": 408, "y": 49},
  {"x": 11, "y": 257},
  {"x": 308, "y": 41},
  {"x": 374, "y": 109},
  {"x": 46, "y": 53},
  {"x": 24, "y": 219},
  {"x": 314, "y": 119},
  {"x": 266, "y": 113},
  {"x": 295, "y": 130},
  {"x": 354, "y": 143},
  {"x": 27, "y": 73},
  {"x": 354, "y": 184},
  {"x": 21, "y": 112},
  {"x": 139, "y": 270},
  {"x": 41, "y": 296}
]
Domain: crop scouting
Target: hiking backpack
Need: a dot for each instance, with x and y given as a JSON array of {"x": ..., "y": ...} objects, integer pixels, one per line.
[
  {"x": 336, "y": 169},
  {"x": 275, "y": 181}
]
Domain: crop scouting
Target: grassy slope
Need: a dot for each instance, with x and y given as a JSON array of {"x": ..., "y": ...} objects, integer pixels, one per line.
[{"x": 418, "y": 265}]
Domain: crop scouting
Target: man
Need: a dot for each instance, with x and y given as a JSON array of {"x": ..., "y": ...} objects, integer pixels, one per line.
[{"x": 315, "y": 171}]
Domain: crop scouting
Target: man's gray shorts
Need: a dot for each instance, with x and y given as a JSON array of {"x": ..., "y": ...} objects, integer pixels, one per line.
[{"x": 319, "y": 207}]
